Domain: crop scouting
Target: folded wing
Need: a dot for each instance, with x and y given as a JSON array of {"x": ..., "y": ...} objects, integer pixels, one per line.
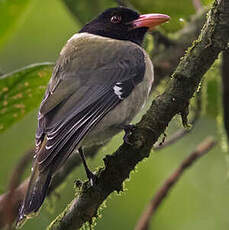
[{"x": 64, "y": 123}]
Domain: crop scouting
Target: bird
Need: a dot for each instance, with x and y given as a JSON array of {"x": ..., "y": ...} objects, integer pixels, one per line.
[{"x": 100, "y": 81}]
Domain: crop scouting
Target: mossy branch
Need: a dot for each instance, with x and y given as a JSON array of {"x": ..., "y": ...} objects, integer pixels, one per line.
[{"x": 213, "y": 39}]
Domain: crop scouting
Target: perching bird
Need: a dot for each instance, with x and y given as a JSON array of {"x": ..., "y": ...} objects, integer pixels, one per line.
[{"x": 99, "y": 83}]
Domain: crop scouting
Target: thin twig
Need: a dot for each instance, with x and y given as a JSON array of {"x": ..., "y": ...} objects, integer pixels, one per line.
[
  {"x": 20, "y": 168},
  {"x": 8, "y": 205},
  {"x": 202, "y": 148},
  {"x": 160, "y": 38},
  {"x": 15, "y": 200}
]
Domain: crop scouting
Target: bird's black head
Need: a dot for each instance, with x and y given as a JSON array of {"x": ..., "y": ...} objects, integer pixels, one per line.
[{"x": 123, "y": 24}]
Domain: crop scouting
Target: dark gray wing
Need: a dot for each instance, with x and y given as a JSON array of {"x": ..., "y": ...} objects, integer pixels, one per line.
[{"x": 65, "y": 125}]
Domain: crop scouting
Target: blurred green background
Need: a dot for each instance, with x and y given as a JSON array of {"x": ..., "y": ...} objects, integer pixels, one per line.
[{"x": 199, "y": 201}]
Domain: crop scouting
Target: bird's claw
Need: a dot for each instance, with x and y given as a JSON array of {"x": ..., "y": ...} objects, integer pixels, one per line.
[
  {"x": 128, "y": 131},
  {"x": 92, "y": 178}
]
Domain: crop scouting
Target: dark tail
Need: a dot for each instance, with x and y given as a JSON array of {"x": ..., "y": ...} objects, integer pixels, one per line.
[{"x": 35, "y": 195}]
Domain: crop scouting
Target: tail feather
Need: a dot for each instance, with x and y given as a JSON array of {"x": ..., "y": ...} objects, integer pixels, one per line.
[{"x": 36, "y": 192}]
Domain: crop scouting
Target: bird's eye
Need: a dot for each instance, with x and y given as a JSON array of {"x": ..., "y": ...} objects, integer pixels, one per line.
[{"x": 116, "y": 19}]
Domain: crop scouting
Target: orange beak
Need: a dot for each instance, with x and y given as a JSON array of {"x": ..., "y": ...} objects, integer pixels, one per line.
[{"x": 150, "y": 20}]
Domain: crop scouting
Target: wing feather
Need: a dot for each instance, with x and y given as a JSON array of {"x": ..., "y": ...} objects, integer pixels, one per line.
[
  {"x": 66, "y": 117},
  {"x": 71, "y": 134}
]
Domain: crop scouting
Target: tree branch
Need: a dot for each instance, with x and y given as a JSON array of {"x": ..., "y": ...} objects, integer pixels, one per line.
[
  {"x": 185, "y": 80},
  {"x": 202, "y": 148},
  {"x": 8, "y": 208}
]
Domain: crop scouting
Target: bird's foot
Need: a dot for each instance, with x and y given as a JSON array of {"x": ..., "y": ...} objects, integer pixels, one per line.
[
  {"x": 128, "y": 131},
  {"x": 91, "y": 177}
]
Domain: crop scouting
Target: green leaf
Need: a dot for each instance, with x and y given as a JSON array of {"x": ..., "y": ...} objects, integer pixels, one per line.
[
  {"x": 11, "y": 12},
  {"x": 21, "y": 92}
]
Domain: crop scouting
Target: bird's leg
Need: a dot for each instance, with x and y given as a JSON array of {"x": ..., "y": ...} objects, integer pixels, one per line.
[
  {"x": 128, "y": 129},
  {"x": 90, "y": 175}
]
